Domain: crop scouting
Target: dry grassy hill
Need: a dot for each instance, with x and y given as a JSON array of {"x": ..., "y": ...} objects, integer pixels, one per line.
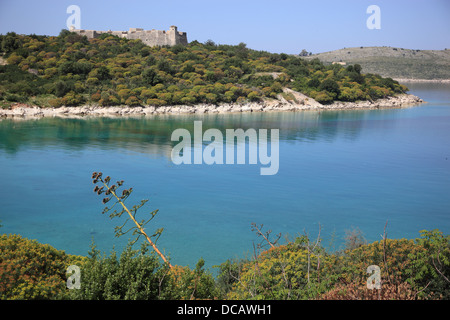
[{"x": 397, "y": 63}]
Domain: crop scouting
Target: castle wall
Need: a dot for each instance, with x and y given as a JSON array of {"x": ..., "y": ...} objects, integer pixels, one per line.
[
  {"x": 181, "y": 38},
  {"x": 149, "y": 37}
]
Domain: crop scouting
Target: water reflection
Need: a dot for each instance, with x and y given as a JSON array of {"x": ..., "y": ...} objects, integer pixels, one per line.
[{"x": 152, "y": 134}]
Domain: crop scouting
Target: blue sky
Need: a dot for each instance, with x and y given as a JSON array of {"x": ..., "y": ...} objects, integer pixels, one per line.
[{"x": 276, "y": 26}]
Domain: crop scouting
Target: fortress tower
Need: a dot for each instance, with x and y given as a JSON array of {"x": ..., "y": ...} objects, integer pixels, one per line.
[{"x": 149, "y": 37}]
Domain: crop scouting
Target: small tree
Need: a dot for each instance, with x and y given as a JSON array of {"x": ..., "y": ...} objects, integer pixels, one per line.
[
  {"x": 151, "y": 77},
  {"x": 330, "y": 86},
  {"x": 304, "y": 53},
  {"x": 10, "y": 42},
  {"x": 210, "y": 43},
  {"x": 354, "y": 239}
]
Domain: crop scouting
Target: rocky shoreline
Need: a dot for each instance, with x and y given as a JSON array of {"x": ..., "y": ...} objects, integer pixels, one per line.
[
  {"x": 299, "y": 102},
  {"x": 423, "y": 80}
]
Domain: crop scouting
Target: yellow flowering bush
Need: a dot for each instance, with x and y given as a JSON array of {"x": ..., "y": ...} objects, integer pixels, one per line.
[
  {"x": 30, "y": 270},
  {"x": 282, "y": 272}
]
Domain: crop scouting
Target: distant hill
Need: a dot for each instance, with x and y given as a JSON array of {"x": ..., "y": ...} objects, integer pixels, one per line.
[{"x": 396, "y": 63}]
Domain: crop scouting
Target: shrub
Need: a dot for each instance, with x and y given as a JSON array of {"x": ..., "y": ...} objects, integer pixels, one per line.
[
  {"x": 282, "y": 272},
  {"x": 14, "y": 98},
  {"x": 352, "y": 291},
  {"x": 72, "y": 99},
  {"x": 229, "y": 96},
  {"x": 277, "y": 87},
  {"x": 351, "y": 94},
  {"x": 56, "y": 103},
  {"x": 410, "y": 269},
  {"x": 96, "y": 96},
  {"x": 135, "y": 275},
  {"x": 330, "y": 86},
  {"x": 61, "y": 88},
  {"x": 253, "y": 96},
  {"x": 92, "y": 81},
  {"x": 156, "y": 102},
  {"x": 10, "y": 42},
  {"x": 30, "y": 270},
  {"x": 211, "y": 98},
  {"x": 376, "y": 92},
  {"x": 148, "y": 93},
  {"x": 313, "y": 83},
  {"x": 430, "y": 272},
  {"x": 133, "y": 101},
  {"x": 166, "y": 96},
  {"x": 415, "y": 262},
  {"x": 139, "y": 275},
  {"x": 50, "y": 72},
  {"x": 192, "y": 284},
  {"x": 14, "y": 59},
  {"x": 323, "y": 97},
  {"x": 124, "y": 94},
  {"x": 188, "y": 99},
  {"x": 109, "y": 100}
]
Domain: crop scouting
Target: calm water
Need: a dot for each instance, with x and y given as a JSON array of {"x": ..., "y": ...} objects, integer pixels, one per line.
[{"x": 338, "y": 169}]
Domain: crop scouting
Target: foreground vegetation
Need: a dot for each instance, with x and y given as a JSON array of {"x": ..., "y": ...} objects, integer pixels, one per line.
[
  {"x": 298, "y": 269},
  {"x": 410, "y": 269},
  {"x": 71, "y": 70}
]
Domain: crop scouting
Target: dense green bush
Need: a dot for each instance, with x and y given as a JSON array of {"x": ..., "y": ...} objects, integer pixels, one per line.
[
  {"x": 280, "y": 273},
  {"x": 140, "y": 275},
  {"x": 299, "y": 269},
  {"x": 30, "y": 270},
  {"x": 410, "y": 269},
  {"x": 133, "y": 275}
]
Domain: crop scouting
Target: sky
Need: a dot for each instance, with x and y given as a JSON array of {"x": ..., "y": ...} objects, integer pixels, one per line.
[{"x": 277, "y": 26}]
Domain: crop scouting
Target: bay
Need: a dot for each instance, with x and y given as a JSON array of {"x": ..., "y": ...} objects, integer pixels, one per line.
[{"x": 338, "y": 170}]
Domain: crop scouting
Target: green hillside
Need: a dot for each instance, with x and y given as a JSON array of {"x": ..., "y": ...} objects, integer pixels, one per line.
[
  {"x": 397, "y": 63},
  {"x": 71, "y": 70}
]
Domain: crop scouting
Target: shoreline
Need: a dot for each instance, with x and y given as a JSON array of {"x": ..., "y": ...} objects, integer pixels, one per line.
[
  {"x": 300, "y": 103},
  {"x": 424, "y": 80}
]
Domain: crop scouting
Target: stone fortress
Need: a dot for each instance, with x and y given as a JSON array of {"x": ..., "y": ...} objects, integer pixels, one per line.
[{"x": 149, "y": 37}]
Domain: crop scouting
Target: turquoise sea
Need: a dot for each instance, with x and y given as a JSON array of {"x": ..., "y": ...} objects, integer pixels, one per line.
[{"x": 337, "y": 169}]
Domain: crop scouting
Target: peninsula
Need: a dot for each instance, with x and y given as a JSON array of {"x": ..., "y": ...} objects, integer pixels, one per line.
[{"x": 138, "y": 72}]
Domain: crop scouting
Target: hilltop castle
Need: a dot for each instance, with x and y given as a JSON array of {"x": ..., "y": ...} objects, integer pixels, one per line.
[{"x": 149, "y": 37}]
